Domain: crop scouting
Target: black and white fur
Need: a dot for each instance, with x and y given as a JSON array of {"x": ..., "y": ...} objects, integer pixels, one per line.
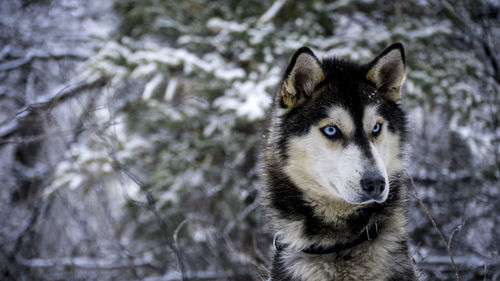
[{"x": 324, "y": 190}]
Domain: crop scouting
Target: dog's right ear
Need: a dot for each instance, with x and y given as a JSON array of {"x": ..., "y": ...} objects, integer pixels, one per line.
[{"x": 302, "y": 75}]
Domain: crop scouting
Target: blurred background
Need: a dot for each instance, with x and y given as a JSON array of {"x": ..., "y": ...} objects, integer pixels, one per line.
[{"x": 130, "y": 131}]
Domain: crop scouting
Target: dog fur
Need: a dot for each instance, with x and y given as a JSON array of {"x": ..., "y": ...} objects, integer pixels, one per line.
[{"x": 335, "y": 126}]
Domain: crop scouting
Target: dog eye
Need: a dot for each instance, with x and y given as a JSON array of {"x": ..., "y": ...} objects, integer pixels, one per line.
[
  {"x": 377, "y": 129},
  {"x": 331, "y": 132}
]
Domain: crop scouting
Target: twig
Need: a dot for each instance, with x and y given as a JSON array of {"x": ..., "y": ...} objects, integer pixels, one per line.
[
  {"x": 435, "y": 225},
  {"x": 150, "y": 203},
  {"x": 460, "y": 226},
  {"x": 176, "y": 232},
  {"x": 486, "y": 264},
  {"x": 241, "y": 216},
  {"x": 415, "y": 252},
  {"x": 461, "y": 260},
  {"x": 38, "y": 209},
  {"x": 53, "y": 134},
  {"x": 196, "y": 275},
  {"x": 9, "y": 128},
  {"x": 39, "y": 54},
  {"x": 88, "y": 263}
]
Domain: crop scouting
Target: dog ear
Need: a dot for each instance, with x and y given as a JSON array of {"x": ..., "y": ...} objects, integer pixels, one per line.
[
  {"x": 387, "y": 71},
  {"x": 302, "y": 75}
]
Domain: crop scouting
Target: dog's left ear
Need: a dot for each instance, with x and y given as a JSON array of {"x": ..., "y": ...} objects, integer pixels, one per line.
[{"x": 387, "y": 71}]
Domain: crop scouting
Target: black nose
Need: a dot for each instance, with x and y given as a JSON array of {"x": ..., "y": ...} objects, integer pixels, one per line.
[{"x": 373, "y": 183}]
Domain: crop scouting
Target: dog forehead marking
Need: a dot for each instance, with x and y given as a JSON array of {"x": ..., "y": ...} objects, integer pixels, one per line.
[
  {"x": 371, "y": 117},
  {"x": 340, "y": 117}
]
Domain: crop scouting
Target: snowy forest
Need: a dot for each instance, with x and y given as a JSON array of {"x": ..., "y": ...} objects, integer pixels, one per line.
[{"x": 130, "y": 131}]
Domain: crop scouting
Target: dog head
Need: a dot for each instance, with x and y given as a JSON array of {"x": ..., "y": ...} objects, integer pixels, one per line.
[{"x": 338, "y": 127}]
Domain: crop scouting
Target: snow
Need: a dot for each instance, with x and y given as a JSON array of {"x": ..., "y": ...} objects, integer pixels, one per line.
[
  {"x": 431, "y": 30},
  {"x": 190, "y": 39},
  {"x": 170, "y": 91},
  {"x": 272, "y": 11},
  {"x": 218, "y": 24},
  {"x": 144, "y": 70},
  {"x": 151, "y": 86},
  {"x": 97, "y": 29},
  {"x": 169, "y": 23},
  {"x": 335, "y": 6},
  {"x": 250, "y": 98},
  {"x": 257, "y": 34}
]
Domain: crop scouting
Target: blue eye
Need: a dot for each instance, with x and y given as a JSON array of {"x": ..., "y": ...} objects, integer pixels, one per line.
[
  {"x": 377, "y": 129},
  {"x": 330, "y": 131}
]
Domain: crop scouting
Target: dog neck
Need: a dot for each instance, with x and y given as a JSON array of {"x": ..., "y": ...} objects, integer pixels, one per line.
[
  {"x": 362, "y": 258},
  {"x": 370, "y": 233}
]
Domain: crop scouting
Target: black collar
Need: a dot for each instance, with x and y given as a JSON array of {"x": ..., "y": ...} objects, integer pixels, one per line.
[{"x": 369, "y": 234}]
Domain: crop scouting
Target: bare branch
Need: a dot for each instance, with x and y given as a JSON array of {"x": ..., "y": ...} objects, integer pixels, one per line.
[
  {"x": 487, "y": 264},
  {"x": 241, "y": 216},
  {"x": 176, "y": 232},
  {"x": 150, "y": 203},
  {"x": 435, "y": 225},
  {"x": 461, "y": 260},
  {"x": 39, "y": 54},
  {"x": 37, "y": 210},
  {"x": 88, "y": 263},
  {"x": 196, "y": 275},
  {"x": 460, "y": 226},
  {"x": 54, "y": 133},
  {"x": 9, "y": 128}
]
